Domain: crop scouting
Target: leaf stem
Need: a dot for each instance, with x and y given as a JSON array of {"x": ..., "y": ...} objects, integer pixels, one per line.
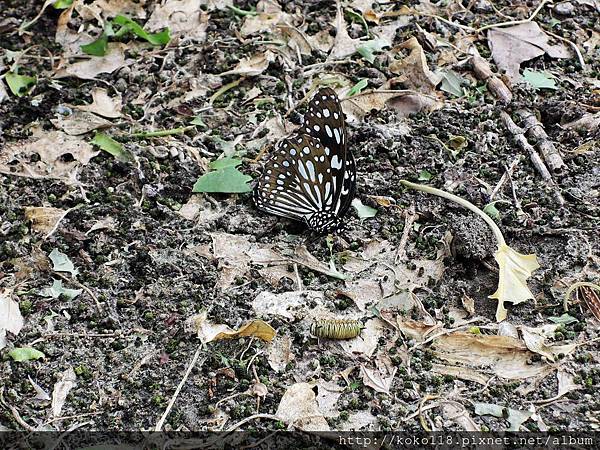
[
  {"x": 161, "y": 133},
  {"x": 461, "y": 201}
]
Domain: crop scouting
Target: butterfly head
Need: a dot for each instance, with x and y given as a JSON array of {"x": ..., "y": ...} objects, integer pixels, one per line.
[{"x": 323, "y": 222}]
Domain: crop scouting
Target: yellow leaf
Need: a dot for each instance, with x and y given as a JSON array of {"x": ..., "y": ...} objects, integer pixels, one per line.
[
  {"x": 254, "y": 328},
  {"x": 208, "y": 331},
  {"x": 515, "y": 269}
]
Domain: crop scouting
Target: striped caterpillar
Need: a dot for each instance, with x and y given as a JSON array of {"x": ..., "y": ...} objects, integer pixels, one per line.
[{"x": 336, "y": 328}]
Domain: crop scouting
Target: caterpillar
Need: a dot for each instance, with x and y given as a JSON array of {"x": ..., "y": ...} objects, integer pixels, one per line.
[{"x": 336, "y": 328}]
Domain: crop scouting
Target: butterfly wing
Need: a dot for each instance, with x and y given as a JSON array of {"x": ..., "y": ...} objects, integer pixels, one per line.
[{"x": 295, "y": 182}]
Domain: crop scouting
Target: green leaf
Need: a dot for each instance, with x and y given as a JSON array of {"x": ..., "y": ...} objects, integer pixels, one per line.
[
  {"x": 363, "y": 211},
  {"x": 62, "y": 4},
  {"x": 111, "y": 146},
  {"x": 198, "y": 121},
  {"x": 25, "y": 354},
  {"x": 358, "y": 87},
  {"x": 226, "y": 180},
  {"x": 161, "y": 38},
  {"x": 368, "y": 49},
  {"x": 565, "y": 319},
  {"x": 223, "y": 163},
  {"x": 97, "y": 48},
  {"x": 491, "y": 210},
  {"x": 475, "y": 330},
  {"x": 57, "y": 289},
  {"x": 539, "y": 80},
  {"x": 62, "y": 263},
  {"x": 19, "y": 85},
  {"x": 425, "y": 175},
  {"x": 452, "y": 83}
]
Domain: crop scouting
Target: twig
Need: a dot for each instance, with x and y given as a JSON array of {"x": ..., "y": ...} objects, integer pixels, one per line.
[
  {"x": 520, "y": 138},
  {"x": 82, "y": 286},
  {"x": 506, "y": 176},
  {"x": 409, "y": 219},
  {"x": 15, "y": 413},
  {"x": 535, "y": 130},
  {"x": 514, "y": 22},
  {"x": 161, "y": 133},
  {"x": 484, "y": 72},
  {"x": 248, "y": 419},
  {"x": 160, "y": 423},
  {"x": 572, "y": 44},
  {"x": 224, "y": 89}
]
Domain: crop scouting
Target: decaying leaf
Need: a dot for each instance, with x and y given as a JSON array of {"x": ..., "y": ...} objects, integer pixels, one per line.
[
  {"x": 404, "y": 102},
  {"x": 369, "y": 339},
  {"x": 208, "y": 331},
  {"x": 299, "y": 408},
  {"x": 463, "y": 373},
  {"x": 513, "y": 45},
  {"x": 10, "y": 316},
  {"x": 61, "y": 389},
  {"x": 43, "y": 219},
  {"x": 515, "y": 417},
  {"x": 88, "y": 69},
  {"x": 181, "y": 17},
  {"x": 414, "y": 71},
  {"x": 280, "y": 352},
  {"x": 252, "y": 66},
  {"x": 62, "y": 263},
  {"x": 376, "y": 380},
  {"x": 103, "y": 104},
  {"x": 79, "y": 122},
  {"x": 343, "y": 45}
]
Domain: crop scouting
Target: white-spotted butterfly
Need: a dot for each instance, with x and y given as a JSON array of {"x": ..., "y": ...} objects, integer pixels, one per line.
[{"x": 311, "y": 176}]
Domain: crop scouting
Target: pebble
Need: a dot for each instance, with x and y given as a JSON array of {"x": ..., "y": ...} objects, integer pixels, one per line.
[
  {"x": 121, "y": 85},
  {"x": 564, "y": 9}
]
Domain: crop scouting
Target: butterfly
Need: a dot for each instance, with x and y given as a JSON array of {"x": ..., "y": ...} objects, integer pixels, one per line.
[{"x": 311, "y": 176}]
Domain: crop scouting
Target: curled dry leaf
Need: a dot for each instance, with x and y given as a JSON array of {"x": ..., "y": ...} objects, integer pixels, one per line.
[
  {"x": 369, "y": 339},
  {"x": 253, "y": 65},
  {"x": 50, "y": 147},
  {"x": 404, "y": 102},
  {"x": 102, "y": 104},
  {"x": 10, "y": 316},
  {"x": 513, "y": 45},
  {"x": 43, "y": 219},
  {"x": 343, "y": 45},
  {"x": 464, "y": 373},
  {"x": 61, "y": 389},
  {"x": 182, "y": 17},
  {"x": 208, "y": 331},
  {"x": 378, "y": 379},
  {"x": 299, "y": 408},
  {"x": 414, "y": 71},
  {"x": 92, "y": 67}
]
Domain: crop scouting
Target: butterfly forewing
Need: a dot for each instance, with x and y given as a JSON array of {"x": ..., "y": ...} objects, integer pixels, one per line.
[
  {"x": 294, "y": 183},
  {"x": 324, "y": 120}
]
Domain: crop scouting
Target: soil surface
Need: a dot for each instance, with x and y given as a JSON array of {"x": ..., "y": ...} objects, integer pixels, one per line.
[{"x": 145, "y": 269}]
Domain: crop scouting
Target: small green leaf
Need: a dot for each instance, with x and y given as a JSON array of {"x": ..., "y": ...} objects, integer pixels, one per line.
[
  {"x": 553, "y": 22},
  {"x": 491, "y": 210},
  {"x": 62, "y": 4},
  {"x": 198, "y": 121},
  {"x": 97, "y": 48},
  {"x": 565, "y": 319},
  {"x": 363, "y": 211},
  {"x": 368, "y": 49},
  {"x": 425, "y": 175},
  {"x": 358, "y": 87},
  {"x": 25, "y": 354},
  {"x": 227, "y": 180},
  {"x": 475, "y": 330},
  {"x": 111, "y": 146},
  {"x": 452, "y": 83},
  {"x": 457, "y": 142},
  {"x": 57, "y": 289},
  {"x": 62, "y": 263},
  {"x": 19, "y": 85},
  {"x": 161, "y": 38},
  {"x": 539, "y": 80},
  {"x": 223, "y": 163}
]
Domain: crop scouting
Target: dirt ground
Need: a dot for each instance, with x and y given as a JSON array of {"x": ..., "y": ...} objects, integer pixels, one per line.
[{"x": 145, "y": 268}]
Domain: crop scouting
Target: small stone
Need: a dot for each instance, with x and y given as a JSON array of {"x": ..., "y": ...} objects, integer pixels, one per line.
[
  {"x": 564, "y": 9},
  {"x": 121, "y": 85}
]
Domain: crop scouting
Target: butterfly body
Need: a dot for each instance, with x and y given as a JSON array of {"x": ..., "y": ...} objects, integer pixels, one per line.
[{"x": 311, "y": 176}]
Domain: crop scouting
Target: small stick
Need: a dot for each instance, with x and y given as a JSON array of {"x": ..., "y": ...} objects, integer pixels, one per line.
[
  {"x": 520, "y": 138},
  {"x": 506, "y": 176},
  {"x": 535, "y": 130},
  {"x": 409, "y": 219},
  {"x": 484, "y": 72}
]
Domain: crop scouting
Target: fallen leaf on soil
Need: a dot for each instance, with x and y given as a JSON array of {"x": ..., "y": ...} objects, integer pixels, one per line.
[
  {"x": 404, "y": 102},
  {"x": 506, "y": 328},
  {"x": 416, "y": 330},
  {"x": 21, "y": 157},
  {"x": 299, "y": 408},
  {"x": 504, "y": 356},
  {"x": 328, "y": 393},
  {"x": 513, "y": 45},
  {"x": 79, "y": 122},
  {"x": 368, "y": 341},
  {"x": 363, "y": 292},
  {"x": 103, "y": 104},
  {"x": 515, "y": 269},
  {"x": 252, "y": 66},
  {"x": 535, "y": 340},
  {"x": 304, "y": 257},
  {"x": 181, "y": 17},
  {"x": 462, "y": 372},
  {"x": 414, "y": 71},
  {"x": 208, "y": 331},
  {"x": 279, "y": 353},
  {"x": 322, "y": 41},
  {"x": 111, "y": 8},
  {"x": 3, "y": 92},
  {"x": 61, "y": 389},
  {"x": 361, "y": 420},
  {"x": 57, "y": 289},
  {"x": 288, "y": 304},
  {"x": 268, "y": 17},
  {"x": 10, "y": 316},
  {"x": 91, "y": 68},
  {"x": 363, "y": 211},
  {"x": 343, "y": 45},
  {"x": 460, "y": 416},
  {"x": 43, "y": 219},
  {"x": 380, "y": 381},
  {"x": 108, "y": 223},
  {"x": 20, "y": 354},
  {"x": 109, "y": 145},
  {"x": 515, "y": 417},
  {"x": 41, "y": 394},
  {"x": 62, "y": 263}
]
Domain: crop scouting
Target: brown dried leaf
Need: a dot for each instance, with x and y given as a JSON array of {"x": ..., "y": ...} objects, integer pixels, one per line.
[
  {"x": 182, "y": 17},
  {"x": 79, "y": 122},
  {"x": 61, "y": 389},
  {"x": 102, "y": 104},
  {"x": 10, "y": 316},
  {"x": 279, "y": 353},
  {"x": 375, "y": 379},
  {"x": 43, "y": 219},
  {"x": 208, "y": 331},
  {"x": 90, "y": 68},
  {"x": 414, "y": 71},
  {"x": 252, "y": 66},
  {"x": 299, "y": 408}
]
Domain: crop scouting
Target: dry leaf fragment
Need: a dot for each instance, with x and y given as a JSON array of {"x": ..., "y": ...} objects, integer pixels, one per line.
[
  {"x": 102, "y": 104},
  {"x": 343, "y": 45},
  {"x": 414, "y": 71},
  {"x": 463, "y": 373},
  {"x": 91, "y": 68},
  {"x": 61, "y": 389},
  {"x": 41, "y": 394},
  {"x": 10, "y": 316},
  {"x": 280, "y": 353},
  {"x": 253, "y": 65},
  {"x": 208, "y": 331},
  {"x": 369, "y": 339},
  {"x": 288, "y": 304},
  {"x": 299, "y": 408},
  {"x": 43, "y": 219},
  {"x": 182, "y": 17},
  {"x": 513, "y": 45},
  {"x": 376, "y": 380},
  {"x": 79, "y": 122}
]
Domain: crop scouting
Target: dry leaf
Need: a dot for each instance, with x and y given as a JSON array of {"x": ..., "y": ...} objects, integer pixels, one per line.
[
  {"x": 43, "y": 219},
  {"x": 208, "y": 331},
  {"x": 252, "y": 66},
  {"x": 513, "y": 45},
  {"x": 182, "y": 17},
  {"x": 299, "y": 408},
  {"x": 91, "y": 68},
  {"x": 464, "y": 373},
  {"x": 41, "y": 394},
  {"x": 322, "y": 41},
  {"x": 61, "y": 389},
  {"x": 279, "y": 352},
  {"x": 18, "y": 158},
  {"x": 369, "y": 339},
  {"x": 343, "y": 45},
  {"x": 413, "y": 70},
  {"x": 288, "y": 304},
  {"x": 328, "y": 394},
  {"x": 416, "y": 330},
  {"x": 10, "y": 316},
  {"x": 79, "y": 122},
  {"x": 102, "y": 104},
  {"x": 111, "y": 8},
  {"x": 459, "y": 415},
  {"x": 515, "y": 269},
  {"x": 377, "y": 380},
  {"x": 404, "y": 102}
]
